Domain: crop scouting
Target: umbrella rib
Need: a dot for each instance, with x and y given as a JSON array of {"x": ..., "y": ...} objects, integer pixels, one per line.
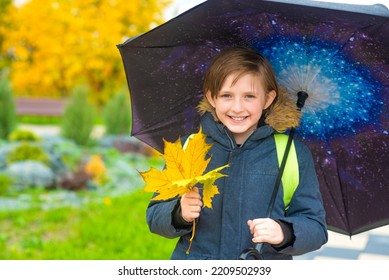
[
  {"x": 343, "y": 45},
  {"x": 352, "y": 35},
  {"x": 344, "y": 200},
  {"x": 273, "y": 27},
  {"x": 344, "y": 219}
]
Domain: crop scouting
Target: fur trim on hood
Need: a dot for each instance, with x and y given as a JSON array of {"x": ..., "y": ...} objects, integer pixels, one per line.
[{"x": 281, "y": 115}]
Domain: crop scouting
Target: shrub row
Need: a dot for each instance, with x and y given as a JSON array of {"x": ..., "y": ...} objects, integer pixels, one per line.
[
  {"x": 58, "y": 163},
  {"x": 79, "y": 115}
]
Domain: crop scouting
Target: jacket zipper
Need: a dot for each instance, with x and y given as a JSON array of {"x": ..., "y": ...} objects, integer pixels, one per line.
[
  {"x": 232, "y": 142},
  {"x": 247, "y": 138}
]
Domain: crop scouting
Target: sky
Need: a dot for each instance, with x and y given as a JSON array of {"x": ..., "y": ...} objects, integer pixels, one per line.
[{"x": 180, "y": 6}]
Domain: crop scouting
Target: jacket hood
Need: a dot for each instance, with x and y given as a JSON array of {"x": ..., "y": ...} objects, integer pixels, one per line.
[{"x": 283, "y": 114}]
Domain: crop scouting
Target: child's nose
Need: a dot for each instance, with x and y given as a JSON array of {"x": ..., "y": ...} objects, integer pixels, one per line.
[{"x": 237, "y": 105}]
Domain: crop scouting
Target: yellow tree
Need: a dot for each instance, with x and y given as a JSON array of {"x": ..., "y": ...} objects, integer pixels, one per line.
[{"x": 58, "y": 44}]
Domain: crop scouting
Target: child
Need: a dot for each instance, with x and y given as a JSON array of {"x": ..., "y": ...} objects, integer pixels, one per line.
[{"x": 241, "y": 110}]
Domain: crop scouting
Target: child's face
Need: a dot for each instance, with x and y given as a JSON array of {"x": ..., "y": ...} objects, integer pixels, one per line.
[{"x": 239, "y": 106}]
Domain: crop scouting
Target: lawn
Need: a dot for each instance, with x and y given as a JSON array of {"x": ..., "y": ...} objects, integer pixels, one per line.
[
  {"x": 84, "y": 203},
  {"x": 110, "y": 229}
]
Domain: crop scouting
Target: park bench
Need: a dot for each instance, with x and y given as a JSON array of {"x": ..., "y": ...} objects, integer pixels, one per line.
[{"x": 39, "y": 106}]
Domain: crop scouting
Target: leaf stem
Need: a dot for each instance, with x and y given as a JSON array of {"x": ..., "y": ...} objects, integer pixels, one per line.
[{"x": 191, "y": 239}]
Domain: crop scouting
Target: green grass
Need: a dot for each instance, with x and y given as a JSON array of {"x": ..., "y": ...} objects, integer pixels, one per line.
[
  {"x": 96, "y": 231},
  {"x": 39, "y": 120},
  {"x": 50, "y": 120}
]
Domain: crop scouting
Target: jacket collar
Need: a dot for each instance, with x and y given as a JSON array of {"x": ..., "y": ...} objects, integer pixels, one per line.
[
  {"x": 220, "y": 133},
  {"x": 282, "y": 115}
]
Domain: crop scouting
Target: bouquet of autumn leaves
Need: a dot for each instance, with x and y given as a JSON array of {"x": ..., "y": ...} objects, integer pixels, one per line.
[{"x": 185, "y": 165}]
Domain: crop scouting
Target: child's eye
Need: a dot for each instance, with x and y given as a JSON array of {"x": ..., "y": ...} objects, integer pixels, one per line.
[
  {"x": 249, "y": 96},
  {"x": 225, "y": 95}
]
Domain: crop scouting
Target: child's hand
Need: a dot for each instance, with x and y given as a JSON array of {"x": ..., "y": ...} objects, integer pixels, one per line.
[
  {"x": 191, "y": 205},
  {"x": 266, "y": 230}
]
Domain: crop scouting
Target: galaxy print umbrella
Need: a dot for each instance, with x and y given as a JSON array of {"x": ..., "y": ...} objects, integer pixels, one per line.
[{"x": 337, "y": 53}]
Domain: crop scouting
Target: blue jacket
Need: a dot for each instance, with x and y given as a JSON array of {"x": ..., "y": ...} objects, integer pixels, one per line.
[{"x": 222, "y": 232}]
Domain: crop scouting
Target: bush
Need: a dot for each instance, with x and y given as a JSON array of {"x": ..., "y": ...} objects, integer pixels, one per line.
[
  {"x": 95, "y": 167},
  {"x": 5, "y": 182},
  {"x": 78, "y": 118},
  {"x": 30, "y": 173},
  {"x": 4, "y": 150},
  {"x": 65, "y": 152},
  {"x": 23, "y": 135},
  {"x": 7, "y": 109},
  {"x": 26, "y": 151},
  {"x": 117, "y": 115},
  {"x": 75, "y": 180}
]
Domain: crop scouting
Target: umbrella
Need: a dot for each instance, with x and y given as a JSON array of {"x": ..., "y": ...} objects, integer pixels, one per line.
[{"x": 337, "y": 53}]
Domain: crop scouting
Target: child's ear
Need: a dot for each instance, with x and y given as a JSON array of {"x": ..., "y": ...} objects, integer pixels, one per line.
[
  {"x": 210, "y": 99},
  {"x": 270, "y": 96}
]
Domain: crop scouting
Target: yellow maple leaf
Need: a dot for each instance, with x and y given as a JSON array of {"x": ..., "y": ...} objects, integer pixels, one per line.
[{"x": 184, "y": 169}]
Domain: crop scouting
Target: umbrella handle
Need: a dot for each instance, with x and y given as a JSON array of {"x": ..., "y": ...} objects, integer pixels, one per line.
[
  {"x": 252, "y": 253},
  {"x": 301, "y": 97}
]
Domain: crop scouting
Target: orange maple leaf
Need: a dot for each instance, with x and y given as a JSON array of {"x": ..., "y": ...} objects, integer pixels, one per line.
[{"x": 184, "y": 169}]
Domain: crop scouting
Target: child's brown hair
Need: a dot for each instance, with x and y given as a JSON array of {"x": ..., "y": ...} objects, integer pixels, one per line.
[{"x": 241, "y": 61}]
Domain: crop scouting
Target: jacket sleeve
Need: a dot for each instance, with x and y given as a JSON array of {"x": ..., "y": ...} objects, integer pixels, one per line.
[
  {"x": 159, "y": 216},
  {"x": 306, "y": 211}
]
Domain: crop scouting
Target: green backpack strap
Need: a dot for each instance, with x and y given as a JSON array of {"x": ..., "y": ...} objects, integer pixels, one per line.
[
  {"x": 187, "y": 141},
  {"x": 290, "y": 177}
]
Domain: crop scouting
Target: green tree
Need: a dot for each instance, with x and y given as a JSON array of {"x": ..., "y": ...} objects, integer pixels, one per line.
[
  {"x": 7, "y": 109},
  {"x": 117, "y": 115},
  {"x": 78, "y": 118}
]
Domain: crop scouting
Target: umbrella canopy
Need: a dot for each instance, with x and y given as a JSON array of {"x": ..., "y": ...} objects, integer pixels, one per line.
[{"x": 337, "y": 53}]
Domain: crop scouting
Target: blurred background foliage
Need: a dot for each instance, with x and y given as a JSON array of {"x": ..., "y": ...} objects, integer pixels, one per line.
[
  {"x": 73, "y": 195},
  {"x": 48, "y": 47}
]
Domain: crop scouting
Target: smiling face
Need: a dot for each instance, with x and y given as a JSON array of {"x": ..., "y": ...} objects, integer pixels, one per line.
[{"x": 240, "y": 103}]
